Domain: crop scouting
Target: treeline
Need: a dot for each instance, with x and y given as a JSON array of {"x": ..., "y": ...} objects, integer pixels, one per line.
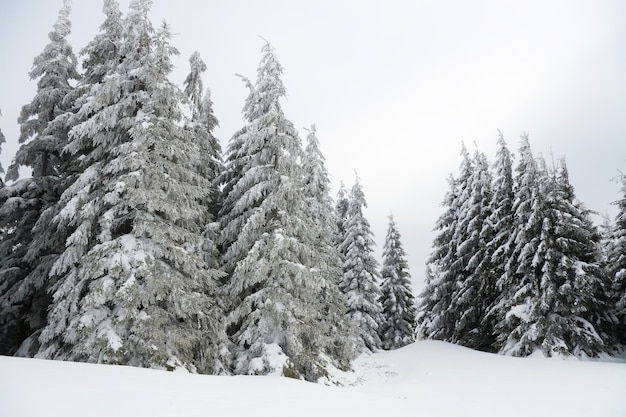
[
  {"x": 519, "y": 267},
  {"x": 137, "y": 241}
]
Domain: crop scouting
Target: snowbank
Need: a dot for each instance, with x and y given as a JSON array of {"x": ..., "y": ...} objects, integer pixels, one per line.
[{"x": 425, "y": 379}]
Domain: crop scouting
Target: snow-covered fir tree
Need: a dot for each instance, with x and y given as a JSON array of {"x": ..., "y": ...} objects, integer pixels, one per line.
[
  {"x": 553, "y": 298},
  {"x": 397, "y": 300},
  {"x": 474, "y": 292},
  {"x": 616, "y": 266},
  {"x": 461, "y": 289},
  {"x": 203, "y": 122},
  {"x": 320, "y": 212},
  {"x": 2, "y": 140},
  {"x": 341, "y": 210},
  {"x": 230, "y": 218},
  {"x": 360, "y": 274},
  {"x": 267, "y": 238},
  {"x": 134, "y": 287},
  {"x": 581, "y": 290},
  {"x": 31, "y": 243},
  {"x": 437, "y": 316},
  {"x": 517, "y": 284},
  {"x": 200, "y": 126},
  {"x": 100, "y": 57},
  {"x": 497, "y": 230}
]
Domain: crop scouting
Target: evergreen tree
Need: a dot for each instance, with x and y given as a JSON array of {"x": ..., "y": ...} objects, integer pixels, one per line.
[
  {"x": 517, "y": 284},
  {"x": 101, "y": 54},
  {"x": 2, "y": 140},
  {"x": 616, "y": 262},
  {"x": 202, "y": 123},
  {"x": 360, "y": 274},
  {"x": 31, "y": 243},
  {"x": 473, "y": 293},
  {"x": 397, "y": 298},
  {"x": 555, "y": 299},
  {"x": 582, "y": 287},
  {"x": 276, "y": 307},
  {"x": 232, "y": 219},
  {"x": 497, "y": 230},
  {"x": 134, "y": 287},
  {"x": 437, "y": 315},
  {"x": 341, "y": 209},
  {"x": 321, "y": 215},
  {"x": 200, "y": 128}
]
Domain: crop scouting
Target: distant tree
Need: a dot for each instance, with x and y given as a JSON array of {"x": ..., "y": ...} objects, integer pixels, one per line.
[
  {"x": 341, "y": 209},
  {"x": 360, "y": 274},
  {"x": 397, "y": 300},
  {"x": 134, "y": 287},
  {"x": 31, "y": 243}
]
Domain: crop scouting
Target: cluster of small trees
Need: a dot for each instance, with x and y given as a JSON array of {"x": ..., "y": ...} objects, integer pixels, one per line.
[
  {"x": 518, "y": 266},
  {"x": 135, "y": 242}
]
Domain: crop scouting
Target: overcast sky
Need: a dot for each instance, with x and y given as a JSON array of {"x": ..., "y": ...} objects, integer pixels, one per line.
[{"x": 394, "y": 86}]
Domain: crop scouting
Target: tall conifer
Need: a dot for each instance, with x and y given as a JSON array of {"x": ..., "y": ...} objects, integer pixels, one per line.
[
  {"x": 360, "y": 274},
  {"x": 397, "y": 300},
  {"x": 32, "y": 243},
  {"x": 134, "y": 287},
  {"x": 616, "y": 261},
  {"x": 268, "y": 244},
  {"x": 320, "y": 213},
  {"x": 437, "y": 316}
]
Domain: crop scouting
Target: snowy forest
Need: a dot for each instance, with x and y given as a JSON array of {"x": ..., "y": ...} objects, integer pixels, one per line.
[{"x": 136, "y": 240}]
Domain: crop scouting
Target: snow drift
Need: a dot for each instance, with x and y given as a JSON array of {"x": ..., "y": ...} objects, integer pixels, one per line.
[{"x": 425, "y": 379}]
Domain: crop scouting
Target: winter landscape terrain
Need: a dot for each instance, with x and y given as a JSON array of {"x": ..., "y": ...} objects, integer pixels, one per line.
[
  {"x": 423, "y": 379},
  {"x": 135, "y": 238}
]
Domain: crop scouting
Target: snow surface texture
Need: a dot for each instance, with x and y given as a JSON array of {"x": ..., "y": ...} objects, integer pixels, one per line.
[{"x": 425, "y": 378}]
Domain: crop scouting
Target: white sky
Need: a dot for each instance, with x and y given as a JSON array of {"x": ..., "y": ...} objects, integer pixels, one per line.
[{"x": 393, "y": 86}]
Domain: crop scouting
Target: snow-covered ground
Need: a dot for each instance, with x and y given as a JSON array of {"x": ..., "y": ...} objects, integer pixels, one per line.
[{"x": 423, "y": 379}]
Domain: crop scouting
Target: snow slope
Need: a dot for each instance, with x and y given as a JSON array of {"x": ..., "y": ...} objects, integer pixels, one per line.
[{"x": 424, "y": 379}]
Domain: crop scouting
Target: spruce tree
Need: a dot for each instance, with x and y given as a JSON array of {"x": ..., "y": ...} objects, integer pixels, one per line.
[
  {"x": 474, "y": 293},
  {"x": 554, "y": 298},
  {"x": 267, "y": 238},
  {"x": 231, "y": 219},
  {"x": 518, "y": 284},
  {"x": 200, "y": 127},
  {"x": 134, "y": 287},
  {"x": 320, "y": 213},
  {"x": 31, "y": 242},
  {"x": 580, "y": 288},
  {"x": 460, "y": 289},
  {"x": 616, "y": 267},
  {"x": 397, "y": 300},
  {"x": 341, "y": 209},
  {"x": 437, "y": 315},
  {"x": 497, "y": 230},
  {"x": 2, "y": 140},
  {"x": 360, "y": 274}
]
